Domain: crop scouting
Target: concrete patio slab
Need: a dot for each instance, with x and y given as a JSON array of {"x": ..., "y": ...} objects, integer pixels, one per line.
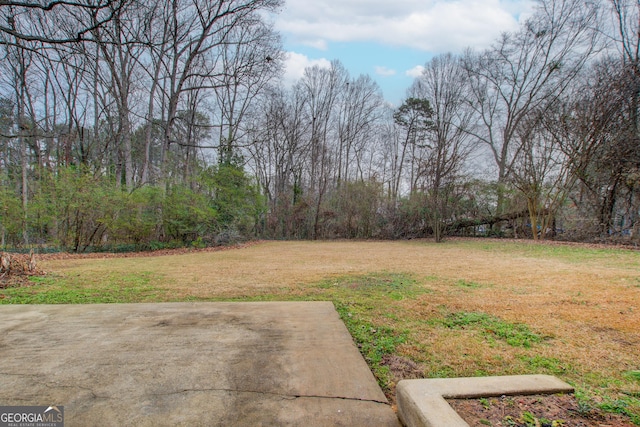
[
  {"x": 421, "y": 402},
  {"x": 214, "y": 364}
]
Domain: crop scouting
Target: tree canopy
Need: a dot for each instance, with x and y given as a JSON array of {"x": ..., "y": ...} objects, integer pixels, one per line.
[{"x": 140, "y": 125}]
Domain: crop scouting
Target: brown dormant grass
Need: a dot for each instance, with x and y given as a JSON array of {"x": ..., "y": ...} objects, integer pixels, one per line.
[{"x": 585, "y": 301}]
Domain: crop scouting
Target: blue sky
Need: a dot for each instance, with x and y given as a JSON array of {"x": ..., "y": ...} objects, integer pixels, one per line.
[{"x": 390, "y": 39}]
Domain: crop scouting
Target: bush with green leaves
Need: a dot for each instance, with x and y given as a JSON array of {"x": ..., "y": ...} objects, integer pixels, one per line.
[{"x": 78, "y": 209}]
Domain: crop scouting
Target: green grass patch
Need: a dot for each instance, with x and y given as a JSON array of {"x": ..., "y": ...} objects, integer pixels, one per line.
[
  {"x": 546, "y": 365},
  {"x": 441, "y": 372},
  {"x": 514, "y": 334},
  {"x": 115, "y": 288},
  {"x": 633, "y": 375},
  {"x": 396, "y": 286},
  {"x": 623, "y": 406},
  {"x": 467, "y": 284},
  {"x": 373, "y": 340}
]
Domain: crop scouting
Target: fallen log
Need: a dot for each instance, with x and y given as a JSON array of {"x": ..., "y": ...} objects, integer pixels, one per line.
[{"x": 490, "y": 220}]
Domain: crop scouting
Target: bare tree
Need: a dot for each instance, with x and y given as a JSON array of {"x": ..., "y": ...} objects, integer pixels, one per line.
[
  {"x": 18, "y": 60},
  {"x": 119, "y": 55},
  {"x": 626, "y": 16},
  {"x": 252, "y": 58},
  {"x": 443, "y": 84},
  {"x": 360, "y": 108},
  {"x": 196, "y": 30},
  {"x": 526, "y": 71},
  {"x": 278, "y": 156},
  {"x": 321, "y": 87},
  {"x": 595, "y": 129},
  {"x": 156, "y": 38},
  {"x": 542, "y": 172},
  {"x": 56, "y": 21}
]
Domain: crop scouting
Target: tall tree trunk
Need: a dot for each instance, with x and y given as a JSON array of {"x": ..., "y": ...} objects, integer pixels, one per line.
[{"x": 25, "y": 189}]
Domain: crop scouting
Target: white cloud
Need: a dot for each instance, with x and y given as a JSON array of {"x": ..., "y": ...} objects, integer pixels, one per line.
[
  {"x": 319, "y": 44},
  {"x": 429, "y": 25},
  {"x": 295, "y": 63},
  {"x": 384, "y": 71},
  {"x": 415, "y": 71}
]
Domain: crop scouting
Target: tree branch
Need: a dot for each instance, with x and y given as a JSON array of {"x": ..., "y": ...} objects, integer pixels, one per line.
[
  {"x": 51, "y": 5},
  {"x": 12, "y": 31}
]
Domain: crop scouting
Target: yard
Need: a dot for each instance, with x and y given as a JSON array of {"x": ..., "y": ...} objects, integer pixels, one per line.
[{"x": 415, "y": 308}]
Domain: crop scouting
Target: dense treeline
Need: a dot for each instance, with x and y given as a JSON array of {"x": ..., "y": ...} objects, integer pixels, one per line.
[{"x": 126, "y": 123}]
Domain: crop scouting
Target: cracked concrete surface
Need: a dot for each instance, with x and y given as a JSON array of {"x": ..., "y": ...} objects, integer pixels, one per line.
[{"x": 214, "y": 364}]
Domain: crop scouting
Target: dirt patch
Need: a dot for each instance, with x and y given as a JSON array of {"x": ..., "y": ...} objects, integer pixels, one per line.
[
  {"x": 402, "y": 368},
  {"x": 533, "y": 411}
]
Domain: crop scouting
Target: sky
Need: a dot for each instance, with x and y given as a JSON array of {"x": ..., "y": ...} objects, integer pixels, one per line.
[{"x": 390, "y": 40}]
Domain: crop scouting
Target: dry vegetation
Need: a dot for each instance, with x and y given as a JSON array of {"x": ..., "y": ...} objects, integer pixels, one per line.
[
  {"x": 582, "y": 304},
  {"x": 15, "y": 269}
]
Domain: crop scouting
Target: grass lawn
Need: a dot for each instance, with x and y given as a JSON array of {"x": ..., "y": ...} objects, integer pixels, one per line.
[{"x": 415, "y": 308}]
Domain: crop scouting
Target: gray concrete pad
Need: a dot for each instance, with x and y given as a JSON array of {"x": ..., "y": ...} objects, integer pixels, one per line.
[
  {"x": 421, "y": 403},
  {"x": 214, "y": 364}
]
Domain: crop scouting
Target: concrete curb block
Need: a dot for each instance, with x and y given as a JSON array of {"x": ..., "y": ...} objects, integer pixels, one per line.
[{"x": 421, "y": 403}]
